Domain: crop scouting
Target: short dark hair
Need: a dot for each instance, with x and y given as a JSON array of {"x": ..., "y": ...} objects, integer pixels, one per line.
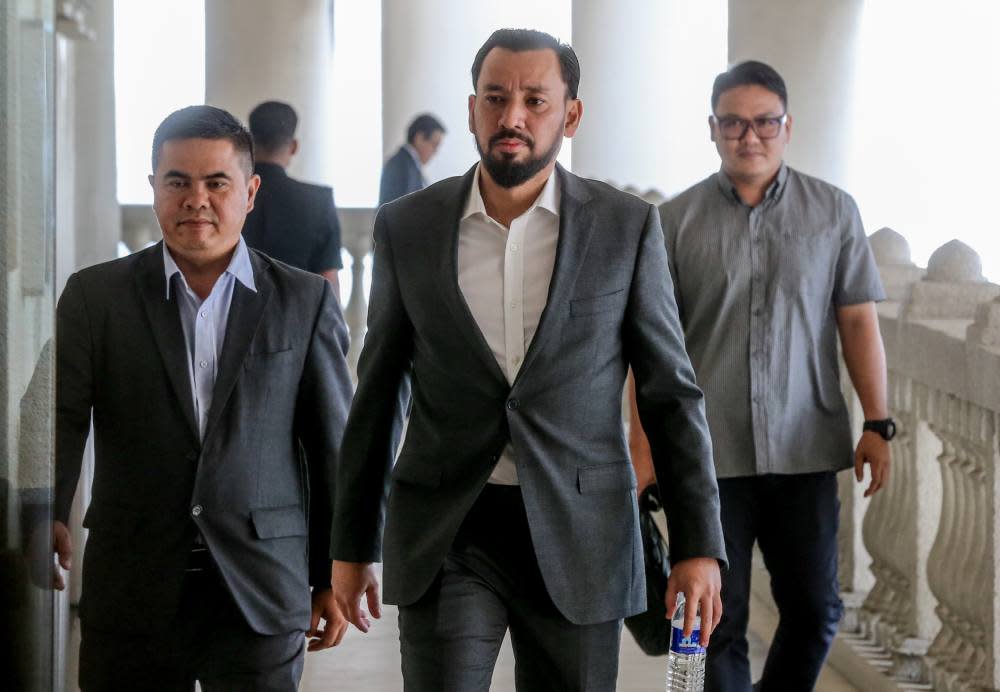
[
  {"x": 519, "y": 40},
  {"x": 424, "y": 124},
  {"x": 204, "y": 122},
  {"x": 751, "y": 72},
  {"x": 272, "y": 125}
]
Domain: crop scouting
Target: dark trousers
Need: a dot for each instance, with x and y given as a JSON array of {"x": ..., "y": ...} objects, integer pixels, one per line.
[
  {"x": 794, "y": 519},
  {"x": 490, "y": 582},
  {"x": 208, "y": 641}
]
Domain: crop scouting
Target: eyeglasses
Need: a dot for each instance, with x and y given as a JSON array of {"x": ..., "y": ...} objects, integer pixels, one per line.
[{"x": 736, "y": 128}]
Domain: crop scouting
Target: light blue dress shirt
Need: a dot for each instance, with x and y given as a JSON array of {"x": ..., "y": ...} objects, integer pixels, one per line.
[{"x": 204, "y": 323}]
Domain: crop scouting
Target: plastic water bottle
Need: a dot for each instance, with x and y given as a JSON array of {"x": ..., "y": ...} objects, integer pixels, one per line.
[{"x": 686, "y": 660}]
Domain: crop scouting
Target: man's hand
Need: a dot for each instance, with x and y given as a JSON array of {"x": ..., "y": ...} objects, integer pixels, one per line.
[
  {"x": 325, "y": 606},
  {"x": 698, "y": 578},
  {"x": 642, "y": 461},
  {"x": 638, "y": 444},
  {"x": 62, "y": 545},
  {"x": 351, "y": 581},
  {"x": 874, "y": 451}
]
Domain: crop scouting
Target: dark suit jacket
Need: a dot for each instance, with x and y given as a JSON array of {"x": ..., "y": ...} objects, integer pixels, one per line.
[
  {"x": 273, "y": 433},
  {"x": 610, "y": 305},
  {"x": 294, "y": 222},
  {"x": 400, "y": 176}
]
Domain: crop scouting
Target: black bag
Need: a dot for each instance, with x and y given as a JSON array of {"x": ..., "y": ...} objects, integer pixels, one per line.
[{"x": 651, "y": 629}]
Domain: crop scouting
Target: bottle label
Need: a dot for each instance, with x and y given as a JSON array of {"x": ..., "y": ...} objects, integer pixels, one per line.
[{"x": 686, "y": 645}]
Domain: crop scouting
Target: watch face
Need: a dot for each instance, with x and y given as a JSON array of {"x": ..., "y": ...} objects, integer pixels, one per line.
[{"x": 886, "y": 428}]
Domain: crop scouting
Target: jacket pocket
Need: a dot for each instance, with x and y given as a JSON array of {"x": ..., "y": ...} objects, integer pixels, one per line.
[
  {"x": 279, "y": 522},
  {"x": 588, "y": 306},
  {"x": 263, "y": 359},
  {"x": 605, "y": 478}
]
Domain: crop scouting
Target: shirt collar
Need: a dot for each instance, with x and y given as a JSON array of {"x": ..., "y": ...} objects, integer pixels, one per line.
[
  {"x": 773, "y": 191},
  {"x": 239, "y": 267},
  {"x": 416, "y": 157},
  {"x": 547, "y": 199}
]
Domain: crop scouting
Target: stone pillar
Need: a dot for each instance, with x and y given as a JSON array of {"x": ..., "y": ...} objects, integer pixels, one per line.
[
  {"x": 647, "y": 71},
  {"x": 88, "y": 219},
  {"x": 426, "y": 68},
  {"x": 260, "y": 50},
  {"x": 813, "y": 45}
]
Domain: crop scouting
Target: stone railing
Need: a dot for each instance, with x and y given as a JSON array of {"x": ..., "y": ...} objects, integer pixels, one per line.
[
  {"x": 926, "y": 614},
  {"x": 356, "y": 239}
]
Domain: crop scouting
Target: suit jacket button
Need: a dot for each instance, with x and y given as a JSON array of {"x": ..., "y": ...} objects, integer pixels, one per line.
[
  {"x": 513, "y": 404},
  {"x": 196, "y": 511}
]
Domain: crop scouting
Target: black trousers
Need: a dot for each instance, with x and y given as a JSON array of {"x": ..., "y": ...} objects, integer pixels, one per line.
[
  {"x": 208, "y": 641},
  {"x": 794, "y": 518},
  {"x": 490, "y": 582}
]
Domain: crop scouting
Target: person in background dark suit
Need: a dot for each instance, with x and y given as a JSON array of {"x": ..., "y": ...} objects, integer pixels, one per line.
[
  {"x": 403, "y": 171},
  {"x": 292, "y": 221},
  {"x": 219, "y": 388}
]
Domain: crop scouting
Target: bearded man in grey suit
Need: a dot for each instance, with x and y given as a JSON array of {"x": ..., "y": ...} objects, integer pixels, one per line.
[
  {"x": 219, "y": 390},
  {"x": 515, "y": 299}
]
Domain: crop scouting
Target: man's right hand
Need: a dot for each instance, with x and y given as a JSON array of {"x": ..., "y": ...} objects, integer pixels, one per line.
[
  {"x": 62, "y": 545},
  {"x": 351, "y": 581}
]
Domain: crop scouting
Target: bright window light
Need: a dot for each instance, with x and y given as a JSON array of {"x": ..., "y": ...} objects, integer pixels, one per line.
[
  {"x": 159, "y": 67},
  {"x": 357, "y": 102},
  {"x": 924, "y": 152}
]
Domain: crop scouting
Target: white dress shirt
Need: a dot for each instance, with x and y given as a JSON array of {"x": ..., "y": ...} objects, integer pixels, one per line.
[
  {"x": 204, "y": 323},
  {"x": 504, "y": 276}
]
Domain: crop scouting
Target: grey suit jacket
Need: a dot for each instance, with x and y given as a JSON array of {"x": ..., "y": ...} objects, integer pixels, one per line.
[
  {"x": 610, "y": 305},
  {"x": 273, "y": 434},
  {"x": 400, "y": 176}
]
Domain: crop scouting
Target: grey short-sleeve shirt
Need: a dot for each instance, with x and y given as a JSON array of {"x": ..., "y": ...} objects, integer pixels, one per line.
[{"x": 757, "y": 289}]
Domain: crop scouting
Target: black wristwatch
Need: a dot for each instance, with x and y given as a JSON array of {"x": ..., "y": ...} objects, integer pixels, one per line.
[{"x": 886, "y": 427}]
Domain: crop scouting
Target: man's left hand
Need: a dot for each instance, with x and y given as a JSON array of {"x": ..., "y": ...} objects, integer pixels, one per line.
[
  {"x": 324, "y": 606},
  {"x": 873, "y": 450},
  {"x": 699, "y": 579}
]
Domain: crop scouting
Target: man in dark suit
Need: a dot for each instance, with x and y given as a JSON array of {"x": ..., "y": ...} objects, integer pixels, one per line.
[
  {"x": 516, "y": 298},
  {"x": 292, "y": 221},
  {"x": 219, "y": 388},
  {"x": 403, "y": 172}
]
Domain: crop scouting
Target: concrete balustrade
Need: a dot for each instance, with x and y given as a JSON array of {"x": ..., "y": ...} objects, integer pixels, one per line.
[
  {"x": 929, "y": 619},
  {"x": 356, "y": 238}
]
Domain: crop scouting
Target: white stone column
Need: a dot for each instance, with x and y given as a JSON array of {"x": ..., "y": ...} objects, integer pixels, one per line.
[
  {"x": 647, "y": 71},
  {"x": 88, "y": 218},
  {"x": 813, "y": 45},
  {"x": 260, "y": 50},
  {"x": 427, "y": 53}
]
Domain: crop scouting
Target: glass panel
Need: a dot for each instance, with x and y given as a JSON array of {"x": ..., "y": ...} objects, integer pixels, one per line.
[{"x": 26, "y": 328}]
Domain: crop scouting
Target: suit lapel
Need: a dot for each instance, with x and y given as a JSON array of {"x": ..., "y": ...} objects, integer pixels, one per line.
[
  {"x": 245, "y": 313},
  {"x": 576, "y": 227},
  {"x": 165, "y": 323},
  {"x": 446, "y": 235}
]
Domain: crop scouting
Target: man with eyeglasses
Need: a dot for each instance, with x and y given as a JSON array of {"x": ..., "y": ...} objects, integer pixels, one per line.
[{"x": 769, "y": 265}]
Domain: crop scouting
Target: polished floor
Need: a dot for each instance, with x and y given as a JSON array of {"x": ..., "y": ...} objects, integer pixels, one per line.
[{"x": 370, "y": 662}]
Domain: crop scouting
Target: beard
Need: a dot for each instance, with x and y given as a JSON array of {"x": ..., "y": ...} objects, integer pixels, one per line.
[{"x": 505, "y": 170}]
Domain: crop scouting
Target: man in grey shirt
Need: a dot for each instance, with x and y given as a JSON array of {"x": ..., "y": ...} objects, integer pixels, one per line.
[{"x": 769, "y": 265}]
